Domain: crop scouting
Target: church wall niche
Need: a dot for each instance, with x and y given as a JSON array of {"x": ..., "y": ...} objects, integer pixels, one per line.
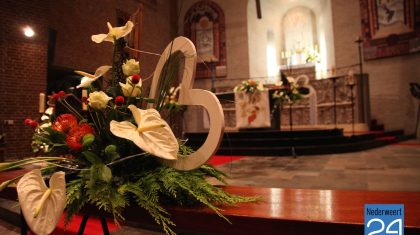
[
  {"x": 319, "y": 25},
  {"x": 204, "y": 24}
]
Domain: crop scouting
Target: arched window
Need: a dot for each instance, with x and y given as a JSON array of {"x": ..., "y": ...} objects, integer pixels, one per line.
[
  {"x": 204, "y": 24},
  {"x": 299, "y": 34}
]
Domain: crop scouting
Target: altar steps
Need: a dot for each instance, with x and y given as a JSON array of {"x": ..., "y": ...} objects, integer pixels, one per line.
[{"x": 287, "y": 143}]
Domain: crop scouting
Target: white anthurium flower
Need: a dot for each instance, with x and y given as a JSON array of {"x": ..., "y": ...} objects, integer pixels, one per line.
[
  {"x": 87, "y": 78},
  {"x": 131, "y": 67},
  {"x": 152, "y": 133},
  {"x": 41, "y": 206},
  {"x": 98, "y": 100},
  {"x": 129, "y": 89},
  {"x": 114, "y": 33}
]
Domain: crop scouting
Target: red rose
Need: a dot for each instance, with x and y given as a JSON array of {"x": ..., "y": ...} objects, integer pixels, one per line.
[
  {"x": 119, "y": 100},
  {"x": 75, "y": 136},
  {"x": 135, "y": 78},
  {"x": 30, "y": 122},
  {"x": 65, "y": 122}
]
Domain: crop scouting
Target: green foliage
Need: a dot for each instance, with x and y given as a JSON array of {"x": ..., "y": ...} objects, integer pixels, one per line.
[
  {"x": 184, "y": 150},
  {"x": 151, "y": 188}
]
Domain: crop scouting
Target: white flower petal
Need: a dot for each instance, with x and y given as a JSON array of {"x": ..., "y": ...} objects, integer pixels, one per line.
[
  {"x": 89, "y": 78},
  {"x": 98, "y": 38},
  {"x": 160, "y": 141},
  {"x": 85, "y": 82},
  {"x": 31, "y": 189},
  {"x": 123, "y": 31},
  {"x": 124, "y": 129},
  {"x": 102, "y": 70},
  {"x": 117, "y": 32}
]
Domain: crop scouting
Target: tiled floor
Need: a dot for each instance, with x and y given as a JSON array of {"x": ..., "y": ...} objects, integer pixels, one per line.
[{"x": 390, "y": 168}]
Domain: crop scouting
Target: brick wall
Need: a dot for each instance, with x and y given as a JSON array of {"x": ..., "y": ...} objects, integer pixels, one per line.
[
  {"x": 23, "y": 70},
  {"x": 24, "y": 60}
]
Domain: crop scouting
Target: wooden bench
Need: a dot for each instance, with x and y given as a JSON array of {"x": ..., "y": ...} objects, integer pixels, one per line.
[{"x": 280, "y": 211}]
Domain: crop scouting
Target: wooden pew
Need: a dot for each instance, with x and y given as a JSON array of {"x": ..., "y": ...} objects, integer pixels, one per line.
[{"x": 280, "y": 211}]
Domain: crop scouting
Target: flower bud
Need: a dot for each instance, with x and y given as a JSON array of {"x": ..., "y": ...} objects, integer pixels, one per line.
[
  {"x": 88, "y": 139},
  {"x": 119, "y": 100},
  {"x": 135, "y": 78},
  {"x": 110, "y": 149}
]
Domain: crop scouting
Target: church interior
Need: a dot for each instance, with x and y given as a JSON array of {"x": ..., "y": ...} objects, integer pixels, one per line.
[{"x": 317, "y": 103}]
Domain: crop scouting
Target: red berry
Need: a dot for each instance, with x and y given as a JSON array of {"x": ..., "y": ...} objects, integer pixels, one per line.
[
  {"x": 61, "y": 93},
  {"x": 55, "y": 97},
  {"x": 135, "y": 78},
  {"x": 30, "y": 122},
  {"x": 119, "y": 100}
]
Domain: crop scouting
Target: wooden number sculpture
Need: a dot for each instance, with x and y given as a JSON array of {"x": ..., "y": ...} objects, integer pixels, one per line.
[{"x": 190, "y": 96}]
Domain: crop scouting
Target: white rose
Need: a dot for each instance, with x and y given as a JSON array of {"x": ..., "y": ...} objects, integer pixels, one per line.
[
  {"x": 131, "y": 67},
  {"x": 98, "y": 100},
  {"x": 129, "y": 89}
]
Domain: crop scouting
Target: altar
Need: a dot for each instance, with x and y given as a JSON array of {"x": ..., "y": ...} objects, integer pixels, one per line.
[{"x": 336, "y": 104}]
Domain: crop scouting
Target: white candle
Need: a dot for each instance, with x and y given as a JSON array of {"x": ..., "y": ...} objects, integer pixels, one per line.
[
  {"x": 84, "y": 105},
  {"x": 350, "y": 77},
  {"x": 41, "y": 102}
]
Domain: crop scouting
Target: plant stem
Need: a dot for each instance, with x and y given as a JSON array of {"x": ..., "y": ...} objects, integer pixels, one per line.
[
  {"x": 71, "y": 109},
  {"x": 113, "y": 74}
]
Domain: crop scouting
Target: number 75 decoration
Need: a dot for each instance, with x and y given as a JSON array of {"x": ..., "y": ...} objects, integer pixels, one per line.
[{"x": 190, "y": 96}]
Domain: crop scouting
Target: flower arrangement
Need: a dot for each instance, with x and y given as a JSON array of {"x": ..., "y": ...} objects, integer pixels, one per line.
[
  {"x": 249, "y": 86},
  {"x": 288, "y": 91},
  {"x": 113, "y": 151}
]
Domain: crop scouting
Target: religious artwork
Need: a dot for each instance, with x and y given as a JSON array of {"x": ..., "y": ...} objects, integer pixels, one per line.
[
  {"x": 390, "y": 27},
  {"x": 205, "y": 26},
  {"x": 252, "y": 105},
  {"x": 114, "y": 147},
  {"x": 204, "y": 37}
]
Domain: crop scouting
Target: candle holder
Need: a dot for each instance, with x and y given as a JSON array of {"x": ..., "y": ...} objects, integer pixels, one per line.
[
  {"x": 351, "y": 86},
  {"x": 334, "y": 81}
]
